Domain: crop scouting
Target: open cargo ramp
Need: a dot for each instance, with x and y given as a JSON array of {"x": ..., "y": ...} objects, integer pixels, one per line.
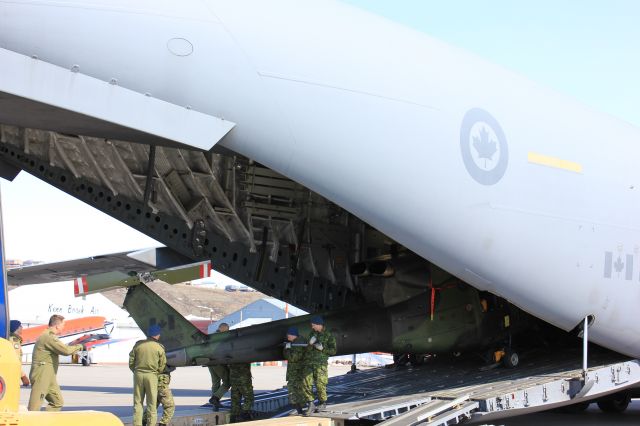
[{"x": 447, "y": 393}]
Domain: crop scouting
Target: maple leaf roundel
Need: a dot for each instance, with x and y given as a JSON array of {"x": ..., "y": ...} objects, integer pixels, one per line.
[{"x": 483, "y": 147}]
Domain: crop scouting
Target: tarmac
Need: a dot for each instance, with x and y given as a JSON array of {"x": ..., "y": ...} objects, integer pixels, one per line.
[{"x": 109, "y": 388}]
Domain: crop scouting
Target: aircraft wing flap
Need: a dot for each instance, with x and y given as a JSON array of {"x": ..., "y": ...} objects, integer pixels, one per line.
[
  {"x": 71, "y": 269},
  {"x": 39, "y": 95}
]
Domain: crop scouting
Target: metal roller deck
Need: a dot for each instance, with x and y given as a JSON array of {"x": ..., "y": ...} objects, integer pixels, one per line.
[
  {"x": 450, "y": 393},
  {"x": 444, "y": 392}
]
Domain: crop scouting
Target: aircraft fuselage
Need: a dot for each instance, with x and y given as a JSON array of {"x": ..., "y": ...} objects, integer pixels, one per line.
[{"x": 506, "y": 185}]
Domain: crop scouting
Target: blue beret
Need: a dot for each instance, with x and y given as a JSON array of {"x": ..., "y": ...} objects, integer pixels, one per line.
[
  {"x": 14, "y": 325},
  {"x": 293, "y": 331},
  {"x": 317, "y": 320},
  {"x": 154, "y": 330}
]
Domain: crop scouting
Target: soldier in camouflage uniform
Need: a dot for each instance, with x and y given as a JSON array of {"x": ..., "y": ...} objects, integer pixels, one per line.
[
  {"x": 165, "y": 398},
  {"x": 219, "y": 376},
  {"x": 297, "y": 374},
  {"x": 147, "y": 360},
  {"x": 15, "y": 327},
  {"x": 241, "y": 391},
  {"x": 44, "y": 366},
  {"x": 321, "y": 346}
]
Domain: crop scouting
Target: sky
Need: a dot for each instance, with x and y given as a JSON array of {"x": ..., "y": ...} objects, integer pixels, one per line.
[{"x": 587, "y": 49}]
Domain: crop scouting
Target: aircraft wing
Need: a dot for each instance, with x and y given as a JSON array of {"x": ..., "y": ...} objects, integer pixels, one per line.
[
  {"x": 36, "y": 94},
  {"x": 71, "y": 328},
  {"x": 98, "y": 273},
  {"x": 146, "y": 260}
]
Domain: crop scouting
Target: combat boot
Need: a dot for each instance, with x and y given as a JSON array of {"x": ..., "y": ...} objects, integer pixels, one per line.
[
  {"x": 215, "y": 403},
  {"x": 299, "y": 409},
  {"x": 322, "y": 405},
  {"x": 246, "y": 415},
  {"x": 310, "y": 409}
]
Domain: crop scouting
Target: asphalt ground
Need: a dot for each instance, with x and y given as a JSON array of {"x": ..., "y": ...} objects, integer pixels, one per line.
[{"x": 109, "y": 388}]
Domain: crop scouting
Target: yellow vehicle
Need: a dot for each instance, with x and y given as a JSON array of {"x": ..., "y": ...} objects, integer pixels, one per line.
[{"x": 10, "y": 398}]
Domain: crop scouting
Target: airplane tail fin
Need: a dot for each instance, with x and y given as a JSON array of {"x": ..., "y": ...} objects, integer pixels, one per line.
[{"x": 147, "y": 308}]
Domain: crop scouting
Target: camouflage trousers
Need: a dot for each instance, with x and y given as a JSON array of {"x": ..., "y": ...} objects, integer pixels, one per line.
[
  {"x": 299, "y": 387},
  {"x": 165, "y": 398},
  {"x": 319, "y": 376},
  {"x": 241, "y": 393}
]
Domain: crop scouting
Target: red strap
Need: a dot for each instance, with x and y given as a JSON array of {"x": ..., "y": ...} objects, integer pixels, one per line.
[
  {"x": 433, "y": 293},
  {"x": 433, "y": 301}
]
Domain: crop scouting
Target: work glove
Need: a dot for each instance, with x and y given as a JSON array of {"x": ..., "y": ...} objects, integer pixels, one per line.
[
  {"x": 313, "y": 340},
  {"x": 318, "y": 346},
  {"x": 287, "y": 345},
  {"x": 25, "y": 380}
]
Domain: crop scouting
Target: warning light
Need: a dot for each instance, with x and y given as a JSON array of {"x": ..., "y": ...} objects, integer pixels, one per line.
[{"x": 2, "y": 388}]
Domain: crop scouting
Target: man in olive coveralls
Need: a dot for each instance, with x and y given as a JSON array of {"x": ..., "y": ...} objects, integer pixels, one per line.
[
  {"x": 165, "y": 398},
  {"x": 15, "y": 327},
  {"x": 297, "y": 374},
  {"x": 44, "y": 366},
  {"x": 147, "y": 360},
  {"x": 321, "y": 346},
  {"x": 219, "y": 376}
]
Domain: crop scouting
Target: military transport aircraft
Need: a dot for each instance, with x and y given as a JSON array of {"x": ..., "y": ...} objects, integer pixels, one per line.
[{"x": 330, "y": 158}]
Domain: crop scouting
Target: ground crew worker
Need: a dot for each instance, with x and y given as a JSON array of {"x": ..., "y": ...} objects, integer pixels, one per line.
[
  {"x": 219, "y": 376},
  {"x": 241, "y": 392},
  {"x": 15, "y": 327},
  {"x": 321, "y": 346},
  {"x": 147, "y": 360},
  {"x": 297, "y": 375},
  {"x": 44, "y": 366},
  {"x": 165, "y": 398}
]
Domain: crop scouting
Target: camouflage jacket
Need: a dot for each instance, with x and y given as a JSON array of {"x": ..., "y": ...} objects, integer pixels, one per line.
[
  {"x": 48, "y": 348},
  {"x": 164, "y": 378},
  {"x": 295, "y": 358},
  {"x": 316, "y": 357},
  {"x": 147, "y": 356}
]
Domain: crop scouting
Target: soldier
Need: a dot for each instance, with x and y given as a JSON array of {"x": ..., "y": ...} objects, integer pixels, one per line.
[
  {"x": 241, "y": 391},
  {"x": 165, "y": 398},
  {"x": 147, "y": 360},
  {"x": 44, "y": 366},
  {"x": 297, "y": 374},
  {"x": 219, "y": 376},
  {"x": 15, "y": 327},
  {"x": 321, "y": 346}
]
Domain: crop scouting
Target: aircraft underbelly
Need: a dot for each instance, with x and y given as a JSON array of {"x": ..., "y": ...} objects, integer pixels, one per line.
[{"x": 542, "y": 244}]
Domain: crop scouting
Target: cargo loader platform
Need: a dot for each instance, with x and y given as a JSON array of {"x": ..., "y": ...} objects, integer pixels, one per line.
[{"x": 450, "y": 392}]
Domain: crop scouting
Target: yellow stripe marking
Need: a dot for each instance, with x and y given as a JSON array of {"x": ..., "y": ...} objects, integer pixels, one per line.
[{"x": 557, "y": 163}]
